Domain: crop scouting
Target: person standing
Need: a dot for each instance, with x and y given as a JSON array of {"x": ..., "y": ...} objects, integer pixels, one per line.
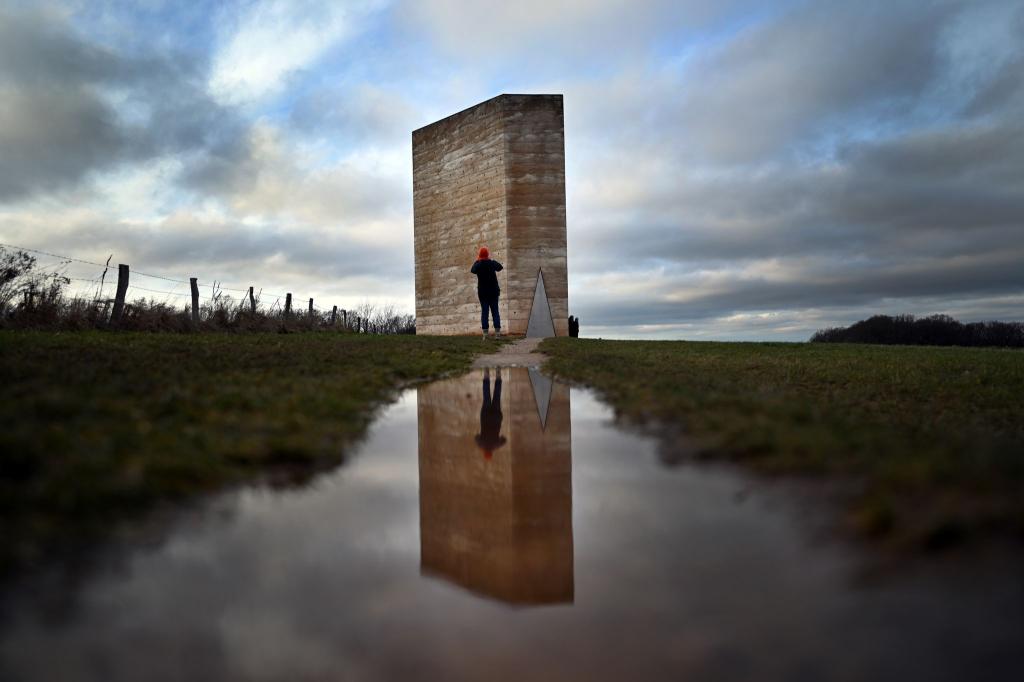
[{"x": 487, "y": 289}]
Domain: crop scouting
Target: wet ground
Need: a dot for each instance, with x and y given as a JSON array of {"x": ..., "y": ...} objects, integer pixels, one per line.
[
  {"x": 507, "y": 529},
  {"x": 521, "y": 352}
]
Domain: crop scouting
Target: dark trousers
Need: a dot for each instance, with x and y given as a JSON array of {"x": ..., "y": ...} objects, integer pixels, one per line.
[{"x": 489, "y": 303}]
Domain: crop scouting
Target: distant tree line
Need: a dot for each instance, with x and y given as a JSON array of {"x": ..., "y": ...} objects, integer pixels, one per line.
[{"x": 935, "y": 330}]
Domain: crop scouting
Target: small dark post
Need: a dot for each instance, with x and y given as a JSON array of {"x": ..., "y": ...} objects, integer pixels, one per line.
[
  {"x": 122, "y": 289},
  {"x": 344, "y": 319},
  {"x": 194, "y": 282},
  {"x": 334, "y": 315},
  {"x": 287, "y": 305},
  {"x": 311, "y": 307},
  {"x": 252, "y": 302}
]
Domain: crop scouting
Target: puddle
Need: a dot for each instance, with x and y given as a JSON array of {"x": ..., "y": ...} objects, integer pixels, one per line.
[{"x": 511, "y": 531}]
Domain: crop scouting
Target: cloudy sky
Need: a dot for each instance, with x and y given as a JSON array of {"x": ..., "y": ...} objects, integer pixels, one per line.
[{"x": 735, "y": 169}]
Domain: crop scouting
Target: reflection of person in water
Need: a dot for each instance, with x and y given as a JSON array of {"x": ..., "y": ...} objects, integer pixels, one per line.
[{"x": 490, "y": 439}]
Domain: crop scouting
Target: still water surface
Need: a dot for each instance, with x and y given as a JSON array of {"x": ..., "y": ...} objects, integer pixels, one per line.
[{"x": 510, "y": 530}]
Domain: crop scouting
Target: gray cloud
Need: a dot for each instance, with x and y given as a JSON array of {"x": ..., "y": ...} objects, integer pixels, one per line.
[
  {"x": 955, "y": 188},
  {"x": 1005, "y": 90},
  {"x": 184, "y": 245},
  {"x": 815, "y": 70},
  {"x": 551, "y": 36},
  {"x": 74, "y": 111},
  {"x": 805, "y": 161},
  {"x": 69, "y": 107},
  {"x": 868, "y": 288},
  {"x": 837, "y": 149},
  {"x": 362, "y": 114},
  {"x": 262, "y": 177}
]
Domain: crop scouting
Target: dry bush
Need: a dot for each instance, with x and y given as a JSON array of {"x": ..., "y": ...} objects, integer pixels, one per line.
[
  {"x": 30, "y": 299},
  {"x": 15, "y": 269},
  {"x": 384, "y": 320}
]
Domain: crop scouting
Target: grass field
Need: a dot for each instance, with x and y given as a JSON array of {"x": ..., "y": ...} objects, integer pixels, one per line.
[
  {"x": 95, "y": 426},
  {"x": 931, "y": 439}
]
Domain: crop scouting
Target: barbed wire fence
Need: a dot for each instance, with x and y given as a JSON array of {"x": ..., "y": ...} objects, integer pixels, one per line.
[{"x": 112, "y": 292}]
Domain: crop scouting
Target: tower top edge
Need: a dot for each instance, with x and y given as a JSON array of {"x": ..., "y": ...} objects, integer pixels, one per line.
[{"x": 504, "y": 96}]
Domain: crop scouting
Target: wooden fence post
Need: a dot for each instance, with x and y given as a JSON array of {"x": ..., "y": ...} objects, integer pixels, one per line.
[
  {"x": 311, "y": 307},
  {"x": 334, "y": 315},
  {"x": 194, "y": 282},
  {"x": 344, "y": 319},
  {"x": 287, "y": 305},
  {"x": 252, "y": 302},
  {"x": 122, "y": 289}
]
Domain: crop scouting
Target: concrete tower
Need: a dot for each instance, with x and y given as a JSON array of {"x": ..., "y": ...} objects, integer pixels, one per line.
[{"x": 492, "y": 175}]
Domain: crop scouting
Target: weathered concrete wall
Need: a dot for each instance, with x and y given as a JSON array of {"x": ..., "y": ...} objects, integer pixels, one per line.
[
  {"x": 491, "y": 175},
  {"x": 535, "y": 209},
  {"x": 459, "y": 204}
]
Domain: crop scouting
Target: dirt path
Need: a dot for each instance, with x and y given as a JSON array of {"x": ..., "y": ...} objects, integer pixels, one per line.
[{"x": 519, "y": 353}]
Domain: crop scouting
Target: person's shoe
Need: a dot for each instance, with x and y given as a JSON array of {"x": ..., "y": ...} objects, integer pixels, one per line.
[
  {"x": 485, "y": 333},
  {"x": 497, "y": 332}
]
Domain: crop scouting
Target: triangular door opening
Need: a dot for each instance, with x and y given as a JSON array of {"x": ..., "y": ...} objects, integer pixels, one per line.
[{"x": 540, "y": 324}]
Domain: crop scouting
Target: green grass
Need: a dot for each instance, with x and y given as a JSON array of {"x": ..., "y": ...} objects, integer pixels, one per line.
[
  {"x": 95, "y": 427},
  {"x": 932, "y": 439}
]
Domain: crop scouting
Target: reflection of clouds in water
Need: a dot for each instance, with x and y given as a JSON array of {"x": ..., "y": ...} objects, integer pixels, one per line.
[
  {"x": 258, "y": 594},
  {"x": 671, "y": 579},
  {"x": 270, "y": 647}
]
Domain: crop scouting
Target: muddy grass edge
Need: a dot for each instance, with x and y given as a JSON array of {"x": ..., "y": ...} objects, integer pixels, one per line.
[
  {"x": 80, "y": 410},
  {"x": 928, "y": 500}
]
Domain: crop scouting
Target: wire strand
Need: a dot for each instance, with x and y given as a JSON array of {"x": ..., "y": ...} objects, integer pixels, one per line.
[
  {"x": 55, "y": 255},
  {"x": 106, "y": 266},
  {"x": 165, "y": 293}
]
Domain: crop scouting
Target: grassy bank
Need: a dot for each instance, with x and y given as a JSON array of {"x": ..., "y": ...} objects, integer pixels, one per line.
[
  {"x": 932, "y": 437},
  {"x": 95, "y": 426}
]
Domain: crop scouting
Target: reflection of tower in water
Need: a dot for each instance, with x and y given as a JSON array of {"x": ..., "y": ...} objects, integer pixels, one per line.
[{"x": 498, "y": 524}]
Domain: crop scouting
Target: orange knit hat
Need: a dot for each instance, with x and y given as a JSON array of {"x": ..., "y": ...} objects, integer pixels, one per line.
[{"x": 484, "y": 253}]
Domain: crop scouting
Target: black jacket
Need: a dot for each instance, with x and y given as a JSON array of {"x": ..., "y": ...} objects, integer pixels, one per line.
[{"x": 486, "y": 277}]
